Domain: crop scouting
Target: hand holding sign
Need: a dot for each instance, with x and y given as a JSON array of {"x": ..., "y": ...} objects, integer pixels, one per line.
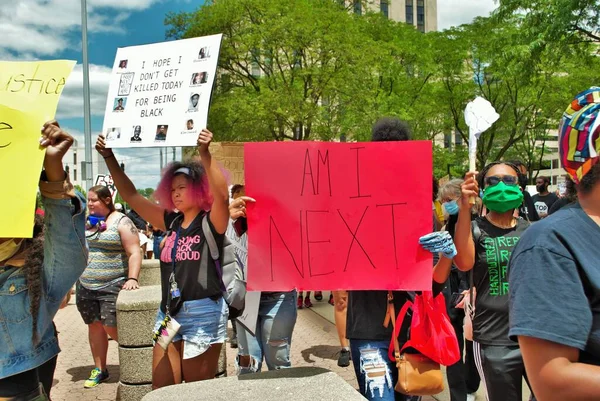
[
  {"x": 479, "y": 116},
  {"x": 204, "y": 140}
]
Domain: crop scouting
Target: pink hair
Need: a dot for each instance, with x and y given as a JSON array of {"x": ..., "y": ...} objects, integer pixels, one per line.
[{"x": 199, "y": 185}]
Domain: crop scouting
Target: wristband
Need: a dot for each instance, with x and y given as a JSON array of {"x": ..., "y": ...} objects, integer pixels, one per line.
[{"x": 131, "y": 278}]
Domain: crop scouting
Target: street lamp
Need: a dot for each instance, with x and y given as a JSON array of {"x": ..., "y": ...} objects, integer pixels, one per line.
[{"x": 87, "y": 123}]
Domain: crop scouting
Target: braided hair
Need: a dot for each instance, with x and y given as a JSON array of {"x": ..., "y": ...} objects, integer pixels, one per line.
[{"x": 34, "y": 263}]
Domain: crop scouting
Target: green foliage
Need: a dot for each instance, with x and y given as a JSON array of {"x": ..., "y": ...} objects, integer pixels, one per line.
[
  {"x": 556, "y": 24},
  {"x": 312, "y": 70},
  {"x": 307, "y": 69}
]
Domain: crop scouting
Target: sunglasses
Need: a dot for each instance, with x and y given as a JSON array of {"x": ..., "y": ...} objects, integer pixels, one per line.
[{"x": 495, "y": 180}]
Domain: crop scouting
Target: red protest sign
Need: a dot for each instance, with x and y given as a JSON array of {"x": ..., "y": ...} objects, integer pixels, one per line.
[{"x": 332, "y": 216}]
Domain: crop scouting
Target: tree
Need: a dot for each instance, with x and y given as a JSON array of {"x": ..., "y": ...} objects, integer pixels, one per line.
[
  {"x": 494, "y": 60},
  {"x": 306, "y": 69},
  {"x": 557, "y": 23}
]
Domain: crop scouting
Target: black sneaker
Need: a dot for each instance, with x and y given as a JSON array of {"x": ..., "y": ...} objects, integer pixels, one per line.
[
  {"x": 233, "y": 343},
  {"x": 344, "y": 359}
]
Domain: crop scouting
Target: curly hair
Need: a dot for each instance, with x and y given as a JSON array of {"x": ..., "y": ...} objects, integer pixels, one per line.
[
  {"x": 199, "y": 185},
  {"x": 235, "y": 189},
  {"x": 33, "y": 268},
  {"x": 390, "y": 129},
  {"x": 589, "y": 181}
]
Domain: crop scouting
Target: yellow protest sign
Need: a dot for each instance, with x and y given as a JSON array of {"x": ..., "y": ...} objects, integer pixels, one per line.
[{"x": 29, "y": 93}]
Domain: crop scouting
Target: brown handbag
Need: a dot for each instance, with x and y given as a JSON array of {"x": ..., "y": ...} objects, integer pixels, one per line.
[{"x": 417, "y": 374}]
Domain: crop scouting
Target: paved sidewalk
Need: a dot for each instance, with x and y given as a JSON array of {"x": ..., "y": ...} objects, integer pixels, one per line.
[{"x": 315, "y": 343}]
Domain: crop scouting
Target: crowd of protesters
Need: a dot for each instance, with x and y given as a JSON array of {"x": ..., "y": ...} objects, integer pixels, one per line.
[{"x": 518, "y": 274}]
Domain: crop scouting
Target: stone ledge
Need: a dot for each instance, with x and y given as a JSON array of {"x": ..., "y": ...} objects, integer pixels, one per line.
[
  {"x": 296, "y": 384},
  {"x": 145, "y": 298},
  {"x": 136, "y": 365},
  {"x": 126, "y": 392}
]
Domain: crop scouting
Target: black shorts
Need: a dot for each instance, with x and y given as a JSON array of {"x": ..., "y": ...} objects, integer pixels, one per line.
[{"x": 99, "y": 305}]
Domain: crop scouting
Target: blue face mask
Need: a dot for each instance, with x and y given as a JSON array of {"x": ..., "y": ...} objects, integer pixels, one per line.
[{"x": 451, "y": 207}]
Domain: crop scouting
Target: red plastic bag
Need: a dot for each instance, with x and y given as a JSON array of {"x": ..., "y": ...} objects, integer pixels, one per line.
[{"x": 431, "y": 332}]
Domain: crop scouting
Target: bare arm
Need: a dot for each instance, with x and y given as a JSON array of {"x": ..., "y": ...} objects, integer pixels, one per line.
[
  {"x": 555, "y": 374},
  {"x": 219, "y": 214},
  {"x": 131, "y": 243},
  {"x": 441, "y": 270},
  {"x": 151, "y": 212},
  {"x": 463, "y": 238}
]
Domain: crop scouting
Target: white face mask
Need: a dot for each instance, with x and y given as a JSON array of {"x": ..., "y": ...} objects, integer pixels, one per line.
[{"x": 9, "y": 249}]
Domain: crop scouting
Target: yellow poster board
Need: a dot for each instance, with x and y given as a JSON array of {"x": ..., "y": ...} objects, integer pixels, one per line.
[{"x": 29, "y": 93}]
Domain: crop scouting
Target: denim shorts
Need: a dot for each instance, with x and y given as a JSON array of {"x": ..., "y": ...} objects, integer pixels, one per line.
[{"x": 203, "y": 323}]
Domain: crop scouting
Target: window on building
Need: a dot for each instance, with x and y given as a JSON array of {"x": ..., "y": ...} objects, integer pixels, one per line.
[
  {"x": 75, "y": 158},
  {"x": 357, "y": 7},
  {"x": 409, "y": 12},
  {"x": 255, "y": 57},
  {"x": 458, "y": 140},
  {"x": 74, "y": 174},
  {"x": 421, "y": 15},
  {"x": 385, "y": 8},
  {"x": 447, "y": 141}
]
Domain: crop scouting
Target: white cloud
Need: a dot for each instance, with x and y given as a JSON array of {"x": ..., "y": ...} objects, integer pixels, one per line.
[
  {"x": 457, "y": 12},
  {"x": 71, "y": 100},
  {"x": 43, "y": 27}
]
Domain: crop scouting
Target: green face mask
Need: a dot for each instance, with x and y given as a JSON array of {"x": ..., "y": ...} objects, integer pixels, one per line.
[{"x": 501, "y": 197}]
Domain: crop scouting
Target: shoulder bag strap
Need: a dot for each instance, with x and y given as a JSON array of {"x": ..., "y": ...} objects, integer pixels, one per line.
[
  {"x": 394, "y": 348},
  {"x": 213, "y": 248}
]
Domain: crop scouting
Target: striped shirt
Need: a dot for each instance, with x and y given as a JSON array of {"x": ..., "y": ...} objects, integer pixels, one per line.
[{"x": 108, "y": 262}]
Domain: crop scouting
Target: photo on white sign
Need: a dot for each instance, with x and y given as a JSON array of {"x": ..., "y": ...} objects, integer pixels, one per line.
[
  {"x": 204, "y": 53},
  {"x": 119, "y": 104},
  {"x": 161, "y": 133},
  {"x": 112, "y": 134},
  {"x": 193, "y": 106},
  {"x": 155, "y": 89},
  {"x": 199, "y": 78},
  {"x": 137, "y": 134},
  {"x": 125, "y": 83}
]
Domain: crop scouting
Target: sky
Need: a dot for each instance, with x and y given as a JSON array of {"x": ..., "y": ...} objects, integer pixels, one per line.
[{"x": 51, "y": 29}]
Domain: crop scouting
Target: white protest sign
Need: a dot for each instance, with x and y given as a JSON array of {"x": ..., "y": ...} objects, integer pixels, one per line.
[
  {"x": 159, "y": 94},
  {"x": 107, "y": 181},
  {"x": 479, "y": 116},
  {"x": 249, "y": 317}
]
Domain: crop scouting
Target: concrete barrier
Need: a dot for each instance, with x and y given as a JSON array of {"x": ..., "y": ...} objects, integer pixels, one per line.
[
  {"x": 296, "y": 384},
  {"x": 136, "y": 315},
  {"x": 150, "y": 272}
]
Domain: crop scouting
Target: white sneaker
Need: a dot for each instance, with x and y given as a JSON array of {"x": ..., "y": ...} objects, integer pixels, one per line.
[{"x": 471, "y": 397}]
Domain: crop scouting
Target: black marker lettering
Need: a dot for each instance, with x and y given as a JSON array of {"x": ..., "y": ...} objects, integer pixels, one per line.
[
  {"x": 355, "y": 239},
  {"x": 358, "y": 174},
  {"x": 325, "y": 162},
  {"x": 391, "y": 205},
  {"x": 312, "y": 180},
  {"x": 308, "y": 242},
  {"x": 271, "y": 225}
]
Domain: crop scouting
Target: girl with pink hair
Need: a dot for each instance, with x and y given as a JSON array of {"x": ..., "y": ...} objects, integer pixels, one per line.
[{"x": 191, "y": 294}]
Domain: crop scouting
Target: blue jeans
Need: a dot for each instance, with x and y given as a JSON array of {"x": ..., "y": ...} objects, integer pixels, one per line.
[
  {"x": 276, "y": 320},
  {"x": 376, "y": 374}
]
